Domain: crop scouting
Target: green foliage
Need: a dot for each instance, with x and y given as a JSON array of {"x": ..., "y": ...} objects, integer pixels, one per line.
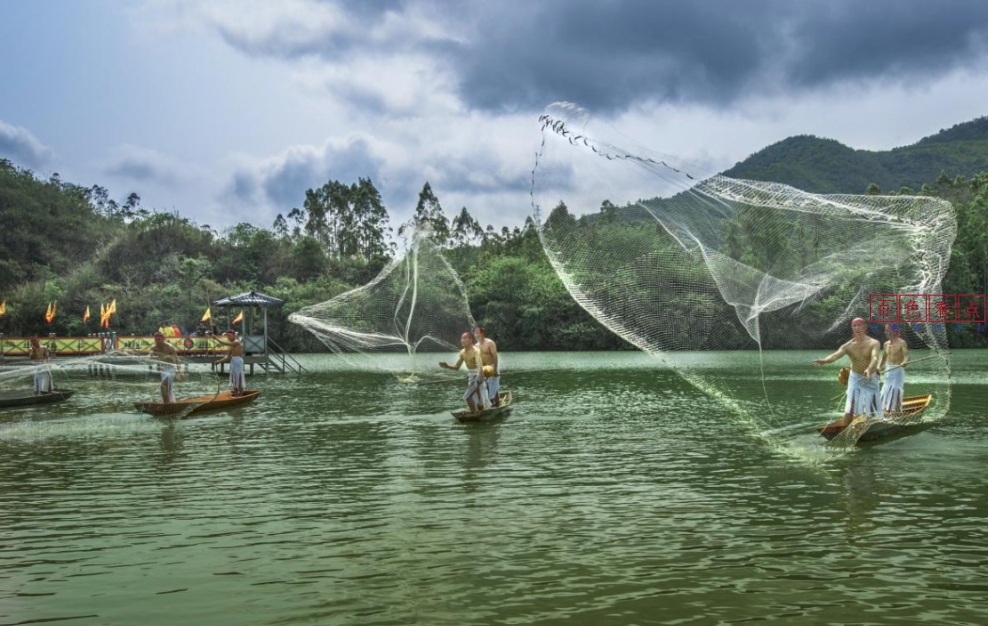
[
  {"x": 429, "y": 213},
  {"x": 827, "y": 166},
  {"x": 80, "y": 247},
  {"x": 350, "y": 221},
  {"x": 48, "y": 227}
]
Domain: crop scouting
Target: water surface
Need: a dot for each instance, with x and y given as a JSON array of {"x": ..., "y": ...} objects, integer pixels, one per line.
[{"x": 615, "y": 493}]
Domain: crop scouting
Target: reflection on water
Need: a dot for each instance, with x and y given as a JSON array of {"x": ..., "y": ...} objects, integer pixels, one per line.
[{"x": 614, "y": 493}]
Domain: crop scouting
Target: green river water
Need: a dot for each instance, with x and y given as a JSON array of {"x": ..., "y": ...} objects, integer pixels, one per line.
[{"x": 614, "y": 493}]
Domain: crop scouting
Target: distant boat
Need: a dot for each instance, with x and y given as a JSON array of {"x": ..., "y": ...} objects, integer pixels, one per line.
[
  {"x": 28, "y": 397},
  {"x": 184, "y": 407},
  {"x": 891, "y": 426},
  {"x": 487, "y": 415}
]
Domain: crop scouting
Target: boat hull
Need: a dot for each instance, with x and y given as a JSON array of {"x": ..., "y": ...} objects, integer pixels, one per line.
[
  {"x": 184, "y": 407},
  {"x": 487, "y": 415},
  {"x": 27, "y": 397},
  {"x": 892, "y": 426}
]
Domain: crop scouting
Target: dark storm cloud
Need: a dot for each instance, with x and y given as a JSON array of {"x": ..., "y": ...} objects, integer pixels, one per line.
[
  {"x": 143, "y": 168},
  {"x": 21, "y": 147},
  {"x": 607, "y": 55},
  {"x": 284, "y": 184},
  {"x": 521, "y": 55}
]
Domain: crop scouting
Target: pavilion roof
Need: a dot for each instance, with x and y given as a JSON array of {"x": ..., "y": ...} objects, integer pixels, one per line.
[{"x": 249, "y": 298}]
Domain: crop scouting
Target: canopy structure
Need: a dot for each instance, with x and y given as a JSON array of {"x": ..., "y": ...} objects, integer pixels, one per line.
[
  {"x": 249, "y": 298},
  {"x": 253, "y": 342}
]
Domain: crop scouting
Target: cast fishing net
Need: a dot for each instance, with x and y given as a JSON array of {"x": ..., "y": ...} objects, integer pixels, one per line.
[
  {"x": 682, "y": 267},
  {"x": 417, "y": 304},
  {"x": 107, "y": 382}
]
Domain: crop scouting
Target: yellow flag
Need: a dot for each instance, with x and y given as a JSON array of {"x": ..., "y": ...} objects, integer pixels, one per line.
[
  {"x": 3, "y": 308},
  {"x": 85, "y": 316},
  {"x": 207, "y": 315},
  {"x": 50, "y": 313},
  {"x": 239, "y": 318},
  {"x": 112, "y": 309}
]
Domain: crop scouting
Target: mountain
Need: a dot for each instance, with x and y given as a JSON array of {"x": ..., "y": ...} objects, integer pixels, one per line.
[{"x": 827, "y": 166}]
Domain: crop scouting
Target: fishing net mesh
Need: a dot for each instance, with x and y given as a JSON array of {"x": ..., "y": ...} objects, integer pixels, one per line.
[
  {"x": 110, "y": 382},
  {"x": 680, "y": 267},
  {"x": 417, "y": 304}
]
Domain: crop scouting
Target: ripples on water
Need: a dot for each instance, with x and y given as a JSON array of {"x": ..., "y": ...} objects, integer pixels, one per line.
[{"x": 614, "y": 494}]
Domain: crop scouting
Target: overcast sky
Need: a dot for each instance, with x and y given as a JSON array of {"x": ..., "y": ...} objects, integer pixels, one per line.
[{"x": 226, "y": 111}]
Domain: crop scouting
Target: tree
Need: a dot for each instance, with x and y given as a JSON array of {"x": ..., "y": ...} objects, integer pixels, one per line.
[
  {"x": 350, "y": 221},
  {"x": 429, "y": 213},
  {"x": 560, "y": 220},
  {"x": 466, "y": 229}
]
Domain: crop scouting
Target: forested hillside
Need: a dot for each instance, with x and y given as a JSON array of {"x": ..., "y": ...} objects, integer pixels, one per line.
[
  {"x": 75, "y": 245},
  {"x": 827, "y": 166}
]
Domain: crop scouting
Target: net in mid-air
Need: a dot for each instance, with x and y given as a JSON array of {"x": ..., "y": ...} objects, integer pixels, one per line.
[{"x": 723, "y": 278}]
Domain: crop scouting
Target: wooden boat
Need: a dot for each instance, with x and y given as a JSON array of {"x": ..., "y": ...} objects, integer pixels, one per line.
[
  {"x": 487, "y": 415},
  {"x": 891, "y": 426},
  {"x": 184, "y": 407},
  {"x": 27, "y": 397}
]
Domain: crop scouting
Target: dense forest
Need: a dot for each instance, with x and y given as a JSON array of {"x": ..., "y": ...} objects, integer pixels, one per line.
[{"x": 77, "y": 246}]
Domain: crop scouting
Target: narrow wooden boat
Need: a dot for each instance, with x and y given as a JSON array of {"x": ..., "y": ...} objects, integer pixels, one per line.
[
  {"x": 890, "y": 426},
  {"x": 487, "y": 415},
  {"x": 184, "y": 407},
  {"x": 27, "y": 397}
]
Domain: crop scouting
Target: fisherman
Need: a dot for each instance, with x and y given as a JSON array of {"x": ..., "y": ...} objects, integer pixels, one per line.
[
  {"x": 475, "y": 382},
  {"x": 39, "y": 356},
  {"x": 895, "y": 358},
  {"x": 235, "y": 356},
  {"x": 167, "y": 357},
  {"x": 862, "y": 384},
  {"x": 488, "y": 354}
]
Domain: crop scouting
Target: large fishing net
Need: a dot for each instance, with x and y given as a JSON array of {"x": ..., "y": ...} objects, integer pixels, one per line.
[
  {"x": 416, "y": 305},
  {"x": 717, "y": 277}
]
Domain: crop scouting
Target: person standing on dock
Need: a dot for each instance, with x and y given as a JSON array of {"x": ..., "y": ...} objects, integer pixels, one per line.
[
  {"x": 488, "y": 354},
  {"x": 895, "y": 357},
  {"x": 235, "y": 356},
  {"x": 167, "y": 357},
  {"x": 39, "y": 356},
  {"x": 862, "y": 384}
]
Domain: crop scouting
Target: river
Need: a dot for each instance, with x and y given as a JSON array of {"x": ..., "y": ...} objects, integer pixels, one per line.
[{"x": 614, "y": 493}]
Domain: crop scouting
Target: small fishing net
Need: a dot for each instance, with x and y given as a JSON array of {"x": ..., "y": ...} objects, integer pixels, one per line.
[
  {"x": 683, "y": 267},
  {"x": 110, "y": 382},
  {"x": 416, "y": 305}
]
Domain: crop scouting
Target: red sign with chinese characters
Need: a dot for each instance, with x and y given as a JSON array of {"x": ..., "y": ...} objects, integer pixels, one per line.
[{"x": 927, "y": 307}]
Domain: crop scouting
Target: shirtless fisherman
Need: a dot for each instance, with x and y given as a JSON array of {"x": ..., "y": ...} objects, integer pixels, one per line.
[
  {"x": 475, "y": 382},
  {"x": 488, "y": 354},
  {"x": 235, "y": 356},
  {"x": 862, "y": 384},
  {"x": 895, "y": 358},
  {"x": 39, "y": 356},
  {"x": 167, "y": 357}
]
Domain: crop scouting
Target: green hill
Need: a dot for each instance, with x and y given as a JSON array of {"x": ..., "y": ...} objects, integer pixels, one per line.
[{"x": 827, "y": 166}]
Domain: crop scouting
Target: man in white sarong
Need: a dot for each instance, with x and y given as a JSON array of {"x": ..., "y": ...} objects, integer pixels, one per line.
[
  {"x": 235, "y": 357},
  {"x": 167, "y": 357},
  {"x": 39, "y": 356},
  {"x": 488, "y": 354},
  {"x": 895, "y": 358},
  {"x": 862, "y": 384}
]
